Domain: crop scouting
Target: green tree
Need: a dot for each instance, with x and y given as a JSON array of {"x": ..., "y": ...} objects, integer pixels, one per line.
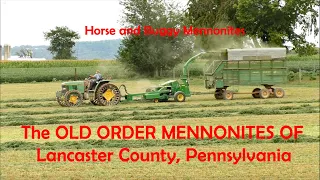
[
  {"x": 148, "y": 55},
  {"x": 62, "y": 41},
  {"x": 272, "y": 22}
]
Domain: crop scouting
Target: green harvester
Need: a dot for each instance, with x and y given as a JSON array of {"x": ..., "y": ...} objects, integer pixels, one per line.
[{"x": 171, "y": 89}]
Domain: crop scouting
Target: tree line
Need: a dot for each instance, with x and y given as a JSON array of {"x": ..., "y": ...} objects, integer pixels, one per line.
[{"x": 267, "y": 23}]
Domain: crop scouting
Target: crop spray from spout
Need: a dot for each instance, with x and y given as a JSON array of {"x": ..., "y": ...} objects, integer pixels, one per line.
[{"x": 186, "y": 65}]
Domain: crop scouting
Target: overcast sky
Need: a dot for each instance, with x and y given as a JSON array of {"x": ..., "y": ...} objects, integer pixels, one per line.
[{"x": 23, "y": 22}]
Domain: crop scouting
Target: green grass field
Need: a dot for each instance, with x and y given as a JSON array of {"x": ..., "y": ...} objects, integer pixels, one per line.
[{"x": 34, "y": 103}]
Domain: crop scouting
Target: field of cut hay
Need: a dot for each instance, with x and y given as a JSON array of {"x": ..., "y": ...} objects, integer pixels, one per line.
[{"x": 34, "y": 104}]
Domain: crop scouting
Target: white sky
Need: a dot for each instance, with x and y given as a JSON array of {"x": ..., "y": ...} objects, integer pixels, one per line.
[{"x": 23, "y": 22}]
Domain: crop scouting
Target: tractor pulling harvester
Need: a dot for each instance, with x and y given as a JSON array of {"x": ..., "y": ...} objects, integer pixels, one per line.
[{"x": 263, "y": 66}]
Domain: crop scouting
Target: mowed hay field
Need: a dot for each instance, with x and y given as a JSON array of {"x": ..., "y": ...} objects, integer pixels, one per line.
[{"x": 34, "y": 104}]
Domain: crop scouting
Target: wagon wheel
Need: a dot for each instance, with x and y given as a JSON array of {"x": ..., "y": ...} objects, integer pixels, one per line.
[
  {"x": 279, "y": 92},
  {"x": 227, "y": 95},
  {"x": 61, "y": 101},
  {"x": 218, "y": 94},
  {"x": 156, "y": 100},
  {"x": 108, "y": 94},
  {"x": 73, "y": 98},
  {"x": 255, "y": 93},
  {"x": 264, "y": 93}
]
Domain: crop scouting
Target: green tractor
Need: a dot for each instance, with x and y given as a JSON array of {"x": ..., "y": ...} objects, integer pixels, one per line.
[{"x": 102, "y": 93}]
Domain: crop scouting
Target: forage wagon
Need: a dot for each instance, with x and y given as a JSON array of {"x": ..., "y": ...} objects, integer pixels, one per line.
[{"x": 256, "y": 67}]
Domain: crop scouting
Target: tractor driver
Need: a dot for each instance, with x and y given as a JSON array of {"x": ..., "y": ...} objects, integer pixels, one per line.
[{"x": 95, "y": 78}]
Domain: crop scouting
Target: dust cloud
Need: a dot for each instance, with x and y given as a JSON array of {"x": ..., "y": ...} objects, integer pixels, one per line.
[
  {"x": 104, "y": 70},
  {"x": 143, "y": 84}
]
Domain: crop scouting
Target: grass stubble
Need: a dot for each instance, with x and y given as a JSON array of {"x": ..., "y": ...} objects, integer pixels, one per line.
[{"x": 18, "y": 156}]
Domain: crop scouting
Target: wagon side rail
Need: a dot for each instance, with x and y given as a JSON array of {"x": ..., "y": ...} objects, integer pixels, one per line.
[
  {"x": 251, "y": 72},
  {"x": 210, "y": 71}
]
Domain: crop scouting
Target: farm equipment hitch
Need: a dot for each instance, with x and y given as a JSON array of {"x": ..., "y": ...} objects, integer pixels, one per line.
[{"x": 128, "y": 96}]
